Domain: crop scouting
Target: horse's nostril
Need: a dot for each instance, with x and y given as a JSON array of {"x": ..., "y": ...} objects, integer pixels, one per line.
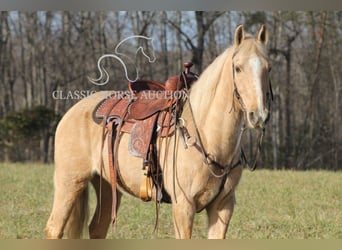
[{"x": 252, "y": 117}]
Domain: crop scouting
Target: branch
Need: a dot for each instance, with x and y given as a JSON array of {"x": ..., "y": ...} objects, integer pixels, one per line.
[
  {"x": 147, "y": 21},
  {"x": 319, "y": 157},
  {"x": 278, "y": 51},
  {"x": 183, "y": 34},
  {"x": 212, "y": 18}
]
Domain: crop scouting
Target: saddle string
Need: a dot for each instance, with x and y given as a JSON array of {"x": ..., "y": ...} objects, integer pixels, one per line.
[{"x": 112, "y": 166}]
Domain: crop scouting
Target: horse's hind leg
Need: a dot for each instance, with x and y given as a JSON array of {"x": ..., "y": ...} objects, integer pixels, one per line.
[
  {"x": 69, "y": 190},
  {"x": 102, "y": 217}
]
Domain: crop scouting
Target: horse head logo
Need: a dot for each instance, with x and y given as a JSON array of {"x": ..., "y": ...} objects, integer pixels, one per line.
[{"x": 145, "y": 47}]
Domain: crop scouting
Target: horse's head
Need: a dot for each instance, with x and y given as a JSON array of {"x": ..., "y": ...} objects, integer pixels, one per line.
[{"x": 251, "y": 76}]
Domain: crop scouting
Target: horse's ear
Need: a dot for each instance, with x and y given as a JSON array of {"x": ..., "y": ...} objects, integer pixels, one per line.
[
  {"x": 239, "y": 35},
  {"x": 263, "y": 34}
]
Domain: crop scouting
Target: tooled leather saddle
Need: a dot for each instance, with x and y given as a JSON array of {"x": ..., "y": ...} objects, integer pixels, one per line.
[{"x": 147, "y": 111}]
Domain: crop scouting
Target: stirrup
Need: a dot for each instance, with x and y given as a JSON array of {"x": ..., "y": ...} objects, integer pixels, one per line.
[{"x": 146, "y": 186}]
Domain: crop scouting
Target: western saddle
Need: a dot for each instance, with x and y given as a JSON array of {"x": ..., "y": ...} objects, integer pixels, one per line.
[{"x": 148, "y": 112}]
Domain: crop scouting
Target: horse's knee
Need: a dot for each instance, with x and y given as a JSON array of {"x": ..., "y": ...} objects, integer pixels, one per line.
[
  {"x": 52, "y": 231},
  {"x": 51, "y": 235}
]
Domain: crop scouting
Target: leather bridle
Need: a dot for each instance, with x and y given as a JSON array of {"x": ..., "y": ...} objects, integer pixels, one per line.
[
  {"x": 209, "y": 159},
  {"x": 269, "y": 99}
]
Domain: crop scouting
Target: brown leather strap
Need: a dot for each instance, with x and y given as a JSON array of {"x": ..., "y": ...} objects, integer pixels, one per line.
[
  {"x": 104, "y": 126},
  {"x": 112, "y": 167}
]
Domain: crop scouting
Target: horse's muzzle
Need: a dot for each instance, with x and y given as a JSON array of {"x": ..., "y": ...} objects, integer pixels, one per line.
[{"x": 257, "y": 119}]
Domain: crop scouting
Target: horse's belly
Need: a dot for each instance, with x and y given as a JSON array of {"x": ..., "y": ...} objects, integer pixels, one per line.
[{"x": 130, "y": 172}]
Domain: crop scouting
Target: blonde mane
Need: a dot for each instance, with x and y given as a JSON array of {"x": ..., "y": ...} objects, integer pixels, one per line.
[{"x": 205, "y": 88}]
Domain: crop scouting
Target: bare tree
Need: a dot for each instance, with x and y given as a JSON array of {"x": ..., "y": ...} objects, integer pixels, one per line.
[
  {"x": 204, "y": 21},
  {"x": 47, "y": 51}
]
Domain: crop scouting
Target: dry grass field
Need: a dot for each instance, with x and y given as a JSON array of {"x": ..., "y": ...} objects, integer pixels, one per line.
[{"x": 270, "y": 205}]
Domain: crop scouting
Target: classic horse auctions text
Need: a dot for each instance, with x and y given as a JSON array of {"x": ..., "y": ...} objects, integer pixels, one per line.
[{"x": 80, "y": 94}]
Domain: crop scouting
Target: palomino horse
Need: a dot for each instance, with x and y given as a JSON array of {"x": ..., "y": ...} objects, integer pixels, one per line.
[{"x": 233, "y": 92}]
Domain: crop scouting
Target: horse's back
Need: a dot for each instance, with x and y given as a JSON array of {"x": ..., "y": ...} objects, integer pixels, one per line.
[{"x": 84, "y": 108}]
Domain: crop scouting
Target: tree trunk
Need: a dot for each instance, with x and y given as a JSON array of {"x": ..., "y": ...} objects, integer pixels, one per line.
[
  {"x": 288, "y": 130},
  {"x": 337, "y": 87},
  {"x": 164, "y": 47},
  {"x": 179, "y": 51}
]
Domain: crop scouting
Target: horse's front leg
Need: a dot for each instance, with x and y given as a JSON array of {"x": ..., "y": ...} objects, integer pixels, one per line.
[
  {"x": 183, "y": 218},
  {"x": 219, "y": 215},
  {"x": 220, "y": 211}
]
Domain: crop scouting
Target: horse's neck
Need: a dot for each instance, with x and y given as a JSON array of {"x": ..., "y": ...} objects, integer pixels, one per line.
[{"x": 212, "y": 100}]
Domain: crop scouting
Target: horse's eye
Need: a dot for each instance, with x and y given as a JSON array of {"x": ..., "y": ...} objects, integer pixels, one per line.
[{"x": 237, "y": 69}]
